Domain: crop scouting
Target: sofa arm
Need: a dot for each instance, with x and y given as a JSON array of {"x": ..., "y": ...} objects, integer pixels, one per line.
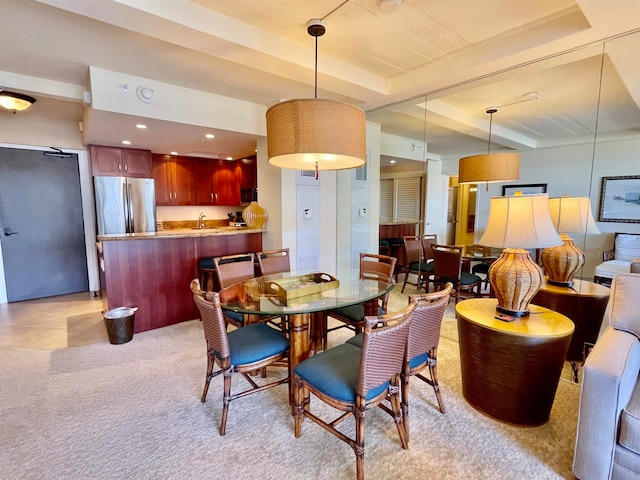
[
  {"x": 635, "y": 265},
  {"x": 608, "y": 255},
  {"x": 610, "y": 374}
]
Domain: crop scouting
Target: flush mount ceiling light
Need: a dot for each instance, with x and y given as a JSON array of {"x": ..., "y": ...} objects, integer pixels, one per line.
[
  {"x": 15, "y": 101},
  {"x": 489, "y": 167},
  {"x": 308, "y": 134},
  {"x": 388, "y": 6}
]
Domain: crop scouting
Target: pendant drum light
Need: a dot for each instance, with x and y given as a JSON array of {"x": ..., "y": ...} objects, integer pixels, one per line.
[
  {"x": 316, "y": 134},
  {"x": 489, "y": 167}
]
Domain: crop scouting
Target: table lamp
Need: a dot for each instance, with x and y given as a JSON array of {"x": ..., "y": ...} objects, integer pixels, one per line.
[
  {"x": 569, "y": 215},
  {"x": 517, "y": 223}
]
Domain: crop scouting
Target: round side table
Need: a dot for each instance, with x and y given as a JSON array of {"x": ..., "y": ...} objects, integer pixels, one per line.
[
  {"x": 510, "y": 370},
  {"x": 584, "y": 303}
]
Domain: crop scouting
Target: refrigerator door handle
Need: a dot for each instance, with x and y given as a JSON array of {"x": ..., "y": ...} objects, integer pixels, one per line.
[{"x": 129, "y": 204}]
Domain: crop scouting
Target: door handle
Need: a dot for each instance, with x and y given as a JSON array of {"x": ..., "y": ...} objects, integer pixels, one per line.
[{"x": 8, "y": 232}]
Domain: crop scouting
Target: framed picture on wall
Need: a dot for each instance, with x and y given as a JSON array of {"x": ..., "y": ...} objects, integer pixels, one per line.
[
  {"x": 620, "y": 199},
  {"x": 525, "y": 188}
]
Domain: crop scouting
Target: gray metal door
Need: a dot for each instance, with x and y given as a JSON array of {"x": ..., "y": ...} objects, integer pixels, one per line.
[{"x": 41, "y": 227}]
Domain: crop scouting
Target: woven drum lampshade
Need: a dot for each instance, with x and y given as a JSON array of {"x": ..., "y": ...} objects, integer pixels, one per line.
[
  {"x": 489, "y": 167},
  {"x": 517, "y": 223},
  {"x": 316, "y": 134},
  {"x": 569, "y": 215}
]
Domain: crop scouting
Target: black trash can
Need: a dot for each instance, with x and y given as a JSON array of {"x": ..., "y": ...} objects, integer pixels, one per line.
[{"x": 119, "y": 322}]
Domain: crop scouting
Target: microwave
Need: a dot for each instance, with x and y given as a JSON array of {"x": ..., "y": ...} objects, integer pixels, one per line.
[{"x": 248, "y": 195}]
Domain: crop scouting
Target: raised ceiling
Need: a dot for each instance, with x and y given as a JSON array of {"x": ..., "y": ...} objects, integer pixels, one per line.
[{"x": 259, "y": 51}]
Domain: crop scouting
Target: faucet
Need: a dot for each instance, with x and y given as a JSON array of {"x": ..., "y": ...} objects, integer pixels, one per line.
[{"x": 200, "y": 220}]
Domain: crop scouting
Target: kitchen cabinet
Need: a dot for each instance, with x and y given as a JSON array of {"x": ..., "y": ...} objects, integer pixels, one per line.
[
  {"x": 248, "y": 172},
  {"x": 174, "y": 180},
  {"x": 195, "y": 181},
  {"x": 120, "y": 162},
  {"x": 226, "y": 184}
]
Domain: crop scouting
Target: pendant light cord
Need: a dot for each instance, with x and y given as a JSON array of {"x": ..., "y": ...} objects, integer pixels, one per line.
[{"x": 315, "y": 70}]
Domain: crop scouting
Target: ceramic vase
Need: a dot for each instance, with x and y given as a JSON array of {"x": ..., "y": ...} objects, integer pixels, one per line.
[{"x": 254, "y": 215}]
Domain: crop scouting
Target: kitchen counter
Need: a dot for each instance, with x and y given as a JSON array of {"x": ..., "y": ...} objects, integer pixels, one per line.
[
  {"x": 183, "y": 233},
  {"x": 152, "y": 271}
]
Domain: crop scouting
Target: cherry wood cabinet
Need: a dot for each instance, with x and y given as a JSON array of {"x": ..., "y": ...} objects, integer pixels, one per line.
[
  {"x": 120, "y": 162},
  {"x": 174, "y": 180},
  {"x": 196, "y": 181},
  {"x": 248, "y": 172}
]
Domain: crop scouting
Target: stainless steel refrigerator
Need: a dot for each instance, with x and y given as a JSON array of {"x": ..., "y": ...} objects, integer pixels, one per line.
[{"x": 125, "y": 205}]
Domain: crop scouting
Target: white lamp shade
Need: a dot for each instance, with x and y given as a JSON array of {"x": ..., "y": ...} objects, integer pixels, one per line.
[
  {"x": 572, "y": 215},
  {"x": 315, "y": 134},
  {"x": 521, "y": 221}
]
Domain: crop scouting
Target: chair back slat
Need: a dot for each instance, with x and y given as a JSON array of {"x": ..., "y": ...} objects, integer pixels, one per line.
[
  {"x": 448, "y": 261},
  {"x": 412, "y": 249},
  {"x": 213, "y": 324},
  {"x": 383, "y": 348},
  {"x": 232, "y": 269},
  {"x": 374, "y": 263},
  {"x": 427, "y": 241},
  {"x": 426, "y": 319},
  {"x": 274, "y": 261}
]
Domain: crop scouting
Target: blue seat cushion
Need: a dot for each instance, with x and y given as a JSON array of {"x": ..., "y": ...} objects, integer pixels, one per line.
[
  {"x": 255, "y": 342},
  {"x": 356, "y": 341},
  {"x": 480, "y": 268},
  {"x": 427, "y": 267},
  {"x": 206, "y": 262},
  {"x": 334, "y": 372},
  {"x": 466, "y": 278},
  {"x": 383, "y": 243},
  {"x": 396, "y": 242},
  {"x": 355, "y": 313},
  {"x": 235, "y": 316}
]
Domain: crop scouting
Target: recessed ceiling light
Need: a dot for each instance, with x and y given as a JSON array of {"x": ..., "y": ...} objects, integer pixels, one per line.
[
  {"x": 392, "y": 161},
  {"x": 141, "y": 126},
  {"x": 229, "y": 158},
  {"x": 126, "y": 142},
  {"x": 173, "y": 153},
  {"x": 210, "y": 135}
]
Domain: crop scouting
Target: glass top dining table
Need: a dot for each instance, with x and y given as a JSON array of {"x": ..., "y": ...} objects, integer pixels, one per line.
[{"x": 306, "y": 315}]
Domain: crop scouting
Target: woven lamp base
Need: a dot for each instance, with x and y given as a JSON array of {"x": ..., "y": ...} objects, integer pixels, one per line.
[
  {"x": 515, "y": 279},
  {"x": 254, "y": 215},
  {"x": 563, "y": 262}
]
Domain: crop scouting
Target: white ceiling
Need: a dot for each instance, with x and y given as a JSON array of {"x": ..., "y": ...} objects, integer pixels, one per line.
[{"x": 259, "y": 51}]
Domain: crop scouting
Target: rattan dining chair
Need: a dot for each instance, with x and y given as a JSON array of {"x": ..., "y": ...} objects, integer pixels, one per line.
[
  {"x": 422, "y": 346},
  {"x": 353, "y": 316},
  {"x": 274, "y": 261},
  {"x": 269, "y": 263},
  {"x": 354, "y": 380},
  {"x": 448, "y": 268},
  {"x": 244, "y": 350},
  {"x": 232, "y": 269}
]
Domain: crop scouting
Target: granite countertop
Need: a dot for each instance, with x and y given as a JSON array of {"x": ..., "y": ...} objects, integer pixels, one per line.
[{"x": 183, "y": 233}]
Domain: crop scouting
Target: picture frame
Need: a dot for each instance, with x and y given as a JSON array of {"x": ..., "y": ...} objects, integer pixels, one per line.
[
  {"x": 525, "y": 188},
  {"x": 620, "y": 199}
]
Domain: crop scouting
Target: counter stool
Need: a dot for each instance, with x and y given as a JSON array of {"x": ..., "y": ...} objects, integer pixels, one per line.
[
  {"x": 396, "y": 247},
  {"x": 207, "y": 274},
  {"x": 383, "y": 247}
]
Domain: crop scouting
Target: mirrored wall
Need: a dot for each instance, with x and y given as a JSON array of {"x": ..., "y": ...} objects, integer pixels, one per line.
[{"x": 574, "y": 118}]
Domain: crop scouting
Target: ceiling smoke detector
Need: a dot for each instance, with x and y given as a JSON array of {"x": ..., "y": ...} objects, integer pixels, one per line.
[{"x": 388, "y": 6}]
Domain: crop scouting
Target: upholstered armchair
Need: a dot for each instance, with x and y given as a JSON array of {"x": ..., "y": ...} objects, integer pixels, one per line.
[{"x": 608, "y": 435}]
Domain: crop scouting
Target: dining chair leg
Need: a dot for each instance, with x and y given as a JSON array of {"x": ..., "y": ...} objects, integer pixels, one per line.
[
  {"x": 226, "y": 399},
  {"x": 358, "y": 446},
  {"x": 433, "y": 371},
  {"x": 298, "y": 406},
  {"x": 396, "y": 410},
  {"x": 404, "y": 402},
  {"x": 210, "y": 365}
]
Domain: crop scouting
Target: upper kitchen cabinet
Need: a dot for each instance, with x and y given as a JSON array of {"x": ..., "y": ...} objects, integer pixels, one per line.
[
  {"x": 226, "y": 183},
  {"x": 174, "y": 180},
  {"x": 120, "y": 162},
  {"x": 248, "y": 171}
]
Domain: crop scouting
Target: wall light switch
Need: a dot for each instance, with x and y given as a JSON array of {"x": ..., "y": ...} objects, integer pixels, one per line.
[
  {"x": 362, "y": 212},
  {"x": 307, "y": 213}
]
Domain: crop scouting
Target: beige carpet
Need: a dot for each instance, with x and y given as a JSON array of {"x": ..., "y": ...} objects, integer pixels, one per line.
[{"x": 133, "y": 411}]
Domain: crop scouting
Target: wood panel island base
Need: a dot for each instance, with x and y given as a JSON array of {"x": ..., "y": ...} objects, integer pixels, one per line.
[
  {"x": 153, "y": 271},
  {"x": 510, "y": 370}
]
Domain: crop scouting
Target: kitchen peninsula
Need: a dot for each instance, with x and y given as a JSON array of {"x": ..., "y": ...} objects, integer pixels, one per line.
[{"x": 153, "y": 270}]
